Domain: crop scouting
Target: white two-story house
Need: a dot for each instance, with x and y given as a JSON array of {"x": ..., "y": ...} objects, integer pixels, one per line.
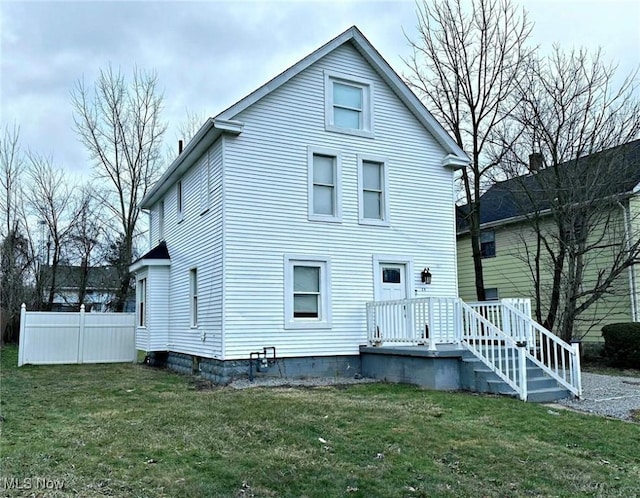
[{"x": 328, "y": 187}]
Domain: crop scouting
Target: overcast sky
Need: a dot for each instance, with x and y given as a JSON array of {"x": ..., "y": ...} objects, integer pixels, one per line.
[{"x": 208, "y": 55}]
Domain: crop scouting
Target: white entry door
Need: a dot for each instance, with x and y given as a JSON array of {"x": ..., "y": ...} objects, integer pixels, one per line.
[
  {"x": 392, "y": 322},
  {"x": 392, "y": 282}
]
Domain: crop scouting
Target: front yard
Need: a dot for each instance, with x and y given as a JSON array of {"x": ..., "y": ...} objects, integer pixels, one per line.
[{"x": 129, "y": 430}]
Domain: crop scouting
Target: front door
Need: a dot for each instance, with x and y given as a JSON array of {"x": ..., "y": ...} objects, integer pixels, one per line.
[
  {"x": 392, "y": 282},
  {"x": 392, "y": 321}
]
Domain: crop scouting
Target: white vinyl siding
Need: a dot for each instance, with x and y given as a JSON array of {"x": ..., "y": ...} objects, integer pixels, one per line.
[
  {"x": 266, "y": 166},
  {"x": 373, "y": 205},
  {"x": 307, "y": 284},
  {"x": 196, "y": 242},
  {"x": 324, "y": 172},
  {"x": 348, "y": 104}
]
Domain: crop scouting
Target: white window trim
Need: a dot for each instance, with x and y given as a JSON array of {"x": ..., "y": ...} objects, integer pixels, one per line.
[
  {"x": 161, "y": 213},
  {"x": 205, "y": 183},
  {"x": 324, "y": 263},
  {"x": 367, "y": 86},
  {"x": 142, "y": 299},
  {"x": 337, "y": 218},
  {"x": 193, "y": 293},
  {"x": 180, "y": 200},
  {"x": 385, "y": 191}
]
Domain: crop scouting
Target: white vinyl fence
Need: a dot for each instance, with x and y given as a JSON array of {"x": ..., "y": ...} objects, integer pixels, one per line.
[{"x": 48, "y": 338}]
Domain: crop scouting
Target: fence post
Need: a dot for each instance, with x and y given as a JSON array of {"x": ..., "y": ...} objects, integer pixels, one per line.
[
  {"x": 81, "y": 336},
  {"x": 522, "y": 365},
  {"x": 21, "y": 339}
]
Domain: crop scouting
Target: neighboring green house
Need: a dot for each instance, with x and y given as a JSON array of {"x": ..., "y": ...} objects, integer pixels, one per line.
[{"x": 508, "y": 241}]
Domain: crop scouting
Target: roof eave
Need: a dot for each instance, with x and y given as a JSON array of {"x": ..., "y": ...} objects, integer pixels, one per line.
[
  {"x": 208, "y": 133},
  {"x": 144, "y": 263}
]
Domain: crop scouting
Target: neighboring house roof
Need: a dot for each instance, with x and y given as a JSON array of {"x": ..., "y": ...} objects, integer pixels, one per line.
[
  {"x": 224, "y": 122},
  {"x": 512, "y": 199},
  {"x": 69, "y": 276}
]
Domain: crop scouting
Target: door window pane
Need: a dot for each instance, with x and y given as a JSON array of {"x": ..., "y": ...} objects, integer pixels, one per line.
[{"x": 391, "y": 275}]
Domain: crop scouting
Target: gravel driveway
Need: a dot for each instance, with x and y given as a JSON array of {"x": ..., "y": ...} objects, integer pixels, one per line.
[{"x": 607, "y": 395}]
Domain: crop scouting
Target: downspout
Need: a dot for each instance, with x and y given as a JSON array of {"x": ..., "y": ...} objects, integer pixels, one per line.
[{"x": 632, "y": 273}]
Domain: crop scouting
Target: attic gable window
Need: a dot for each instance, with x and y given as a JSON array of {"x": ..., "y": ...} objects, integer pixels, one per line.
[{"x": 348, "y": 104}]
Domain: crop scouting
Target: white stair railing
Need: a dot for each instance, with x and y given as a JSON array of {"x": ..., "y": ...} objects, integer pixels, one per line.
[
  {"x": 554, "y": 356},
  {"x": 498, "y": 351}
]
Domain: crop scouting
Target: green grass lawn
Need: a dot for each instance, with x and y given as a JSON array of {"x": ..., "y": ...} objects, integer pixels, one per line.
[{"x": 129, "y": 430}]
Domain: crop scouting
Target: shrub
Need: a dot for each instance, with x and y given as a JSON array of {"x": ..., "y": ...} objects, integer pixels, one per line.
[{"x": 622, "y": 344}]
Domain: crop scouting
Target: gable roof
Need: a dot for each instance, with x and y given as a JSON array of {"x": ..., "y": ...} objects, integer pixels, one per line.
[
  {"x": 512, "y": 199},
  {"x": 69, "y": 276},
  {"x": 224, "y": 121}
]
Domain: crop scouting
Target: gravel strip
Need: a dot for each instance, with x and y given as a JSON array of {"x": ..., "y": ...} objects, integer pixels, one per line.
[
  {"x": 309, "y": 382},
  {"x": 607, "y": 395}
]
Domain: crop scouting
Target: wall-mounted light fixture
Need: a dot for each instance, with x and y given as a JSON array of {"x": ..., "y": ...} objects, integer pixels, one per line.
[{"x": 425, "y": 276}]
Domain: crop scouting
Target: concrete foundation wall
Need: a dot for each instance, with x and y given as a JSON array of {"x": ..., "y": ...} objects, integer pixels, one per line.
[
  {"x": 224, "y": 372},
  {"x": 436, "y": 370}
]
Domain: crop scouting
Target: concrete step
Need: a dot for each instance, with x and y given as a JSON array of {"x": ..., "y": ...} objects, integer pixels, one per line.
[
  {"x": 547, "y": 395},
  {"x": 541, "y": 388}
]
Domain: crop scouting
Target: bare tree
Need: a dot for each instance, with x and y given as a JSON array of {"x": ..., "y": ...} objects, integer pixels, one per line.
[
  {"x": 119, "y": 124},
  {"x": 581, "y": 129},
  {"x": 87, "y": 236},
  {"x": 15, "y": 257},
  {"x": 11, "y": 169},
  {"x": 49, "y": 195},
  {"x": 465, "y": 65}
]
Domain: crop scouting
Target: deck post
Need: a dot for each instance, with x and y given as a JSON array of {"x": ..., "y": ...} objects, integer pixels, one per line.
[{"x": 522, "y": 367}]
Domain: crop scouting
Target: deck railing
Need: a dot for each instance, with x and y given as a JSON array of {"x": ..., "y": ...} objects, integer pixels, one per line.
[
  {"x": 502, "y": 334},
  {"x": 429, "y": 320}
]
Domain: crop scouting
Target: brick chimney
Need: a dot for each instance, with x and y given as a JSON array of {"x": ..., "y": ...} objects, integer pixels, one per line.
[{"x": 536, "y": 162}]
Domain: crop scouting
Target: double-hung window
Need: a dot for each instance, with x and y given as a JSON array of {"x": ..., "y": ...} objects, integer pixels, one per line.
[
  {"x": 324, "y": 188},
  {"x": 179, "y": 201},
  {"x": 373, "y": 202},
  {"x": 161, "y": 220},
  {"x": 193, "y": 292},
  {"x": 348, "y": 104},
  {"x": 307, "y": 288},
  {"x": 487, "y": 243},
  {"x": 142, "y": 302}
]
